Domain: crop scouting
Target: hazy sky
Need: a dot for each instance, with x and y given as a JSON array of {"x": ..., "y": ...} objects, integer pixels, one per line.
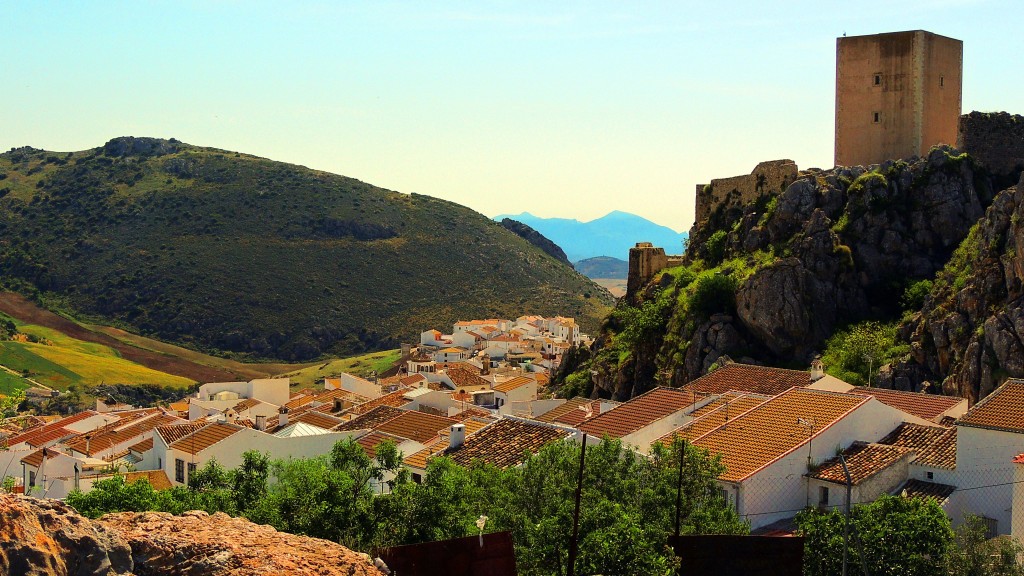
[{"x": 559, "y": 108}]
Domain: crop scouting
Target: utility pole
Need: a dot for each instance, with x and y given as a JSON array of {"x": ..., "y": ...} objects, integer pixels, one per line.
[
  {"x": 574, "y": 543},
  {"x": 846, "y": 524},
  {"x": 679, "y": 485}
]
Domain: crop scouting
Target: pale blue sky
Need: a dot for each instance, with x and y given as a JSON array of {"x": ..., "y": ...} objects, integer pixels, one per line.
[{"x": 568, "y": 109}]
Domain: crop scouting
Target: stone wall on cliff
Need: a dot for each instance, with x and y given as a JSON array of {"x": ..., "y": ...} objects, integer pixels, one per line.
[
  {"x": 723, "y": 194},
  {"x": 996, "y": 141}
]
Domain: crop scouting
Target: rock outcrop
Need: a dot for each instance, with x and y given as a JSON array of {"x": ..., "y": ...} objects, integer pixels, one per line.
[
  {"x": 47, "y": 537},
  {"x": 534, "y": 237},
  {"x": 970, "y": 335}
]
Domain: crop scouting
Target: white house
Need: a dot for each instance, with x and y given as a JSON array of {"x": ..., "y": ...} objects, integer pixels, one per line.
[
  {"x": 875, "y": 469},
  {"x": 1017, "y": 528},
  {"x": 768, "y": 450},
  {"x": 514, "y": 394},
  {"x": 217, "y": 397},
  {"x": 989, "y": 437}
]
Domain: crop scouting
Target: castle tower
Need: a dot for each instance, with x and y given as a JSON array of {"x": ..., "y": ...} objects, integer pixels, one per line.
[{"x": 897, "y": 95}]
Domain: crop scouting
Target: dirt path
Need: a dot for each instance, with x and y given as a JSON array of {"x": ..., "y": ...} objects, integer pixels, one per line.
[{"x": 16, "y": 306}]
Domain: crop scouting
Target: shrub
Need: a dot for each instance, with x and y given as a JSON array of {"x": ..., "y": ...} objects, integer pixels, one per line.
[
  {"x": 715, "y": 247},
  {"x": 714, "y": 293}
]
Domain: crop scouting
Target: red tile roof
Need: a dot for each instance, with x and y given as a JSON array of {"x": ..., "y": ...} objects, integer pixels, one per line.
[
  {"x": 510, "y": 385},
  {"x": 417, "y": 426},
  {"x": 394, "y": 400},
  {"x": 205, "y": 437},
  {"x": 712, "y": 415},
  {"x": 370, "y": 441},
  {"x": 177, "y": 431},
  {"x": 506, "y": 443},
  {"x": 577, "y": 404},
  {"x": 371, "y": 419},
  {"x": 118, "y": 432},
  {"x": 465, "y": 378},
  {"x": 51, "y": 432},
  {"x": 749, "y": 378},
  {"x": 863, "y": 460},
  {"x": 638, "y": 413},
  {"x": 1019, "y": 459},
  {"x": 934, "y": 446},
  {"x": 144, "y": 446},
  {"x": 772, "y": 430},
  {"x": 1002, "y": 410},
  {"x": 928, "y": 490},
  {"x": 318, "y": 419},
  {"x": 926, "y": 406}
]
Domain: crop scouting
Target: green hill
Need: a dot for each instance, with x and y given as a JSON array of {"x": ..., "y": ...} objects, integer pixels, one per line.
[{"x": 227, "y": 252}]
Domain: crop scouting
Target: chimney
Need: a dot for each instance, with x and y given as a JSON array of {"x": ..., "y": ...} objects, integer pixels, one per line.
[
  {"x": 457, "y": 436},
  {"x": 282, "y": 418},
  {"x": 817, "y": 369},
  {"x": 261, "y": 423}
]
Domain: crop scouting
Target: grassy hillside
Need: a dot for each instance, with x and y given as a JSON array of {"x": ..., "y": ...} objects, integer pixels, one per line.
[
  {"x": 226, "y": 252},
  {"x": 59, "y": 361},
  {"x": 361, "y": 366}
]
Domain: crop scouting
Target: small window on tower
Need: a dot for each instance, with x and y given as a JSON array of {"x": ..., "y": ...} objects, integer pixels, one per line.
[
  {"x": 942, "y": 81},
  {"x": 878, "y": 79},
  {"x": 876, "y": 117}
]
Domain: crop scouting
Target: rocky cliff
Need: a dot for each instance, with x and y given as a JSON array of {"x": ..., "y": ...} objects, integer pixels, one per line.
[
  {"x": 969, "y": 337},
  {"x": 47, "y": 537},
  {"x": 772, "y": 279},
  {"x": 536, "y": 238}
]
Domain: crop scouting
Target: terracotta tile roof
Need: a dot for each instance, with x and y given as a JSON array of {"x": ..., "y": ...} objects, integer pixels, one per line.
[
  {"x": 712, "y": 415},
  {"x": 35, "y": 459},
  {"x": 464, "y": 377},
  {"x": 51, "y": 432},
  {"x": 570, "y": 405},
  {"x": 761, "y": 436},
  {"x": 510, "y": 385},
  {"x": 370, "y": 441},
  {"x": 394, "y": 400},
  {"x": 926, "y": 406},
  {"x": 318, "y": 419},
  {"x": 1003, "y": 409},
  {"x": 506, "y": 443},
  {"x": 637, "y": 413},
  {"x": 144, "y": 446},
  {"x": 371, "y": 419},
  {"x": 576, "y": 417},
  {"x": 474, "y": 425},
  {"x": 749, "y": 378},
  {"x": 934, "y": 446},
  {"x": 863, "y": 460},
  {"x": 118, "y": 433},
  {"x": 471, "y": 411},
  {"x": 246, "y": 404},
  {"x": 170, "y": 434},
  {"x": 929, "y": 490},
  {"x": 412, "y": 379},
  {"x": 417, "y": 426},
  {"x": 157, "y": 479},
  {"x": 205, "y": 437},
  {"x": 1019, "y": 459},
  {"x": 419, "y": 459},
  {"x": 947, "y": 421},
  {"x": 299, "y": 401}
]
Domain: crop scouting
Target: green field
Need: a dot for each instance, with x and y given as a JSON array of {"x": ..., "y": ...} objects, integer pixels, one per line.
[
  {"x": 59, "y": 361},
  {"x": 9, "y": 383},
  {"x": 357, "y": 365}
]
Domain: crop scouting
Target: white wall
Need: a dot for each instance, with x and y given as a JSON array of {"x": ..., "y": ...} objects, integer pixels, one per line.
[
  {"x": 984, "y": 459},
  {"x": 1017, "y": 516},
  {"x": 228, "y": 452},
  {"x": 358, "y": 385}
]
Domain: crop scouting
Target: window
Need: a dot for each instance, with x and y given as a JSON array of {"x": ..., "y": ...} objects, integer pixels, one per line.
[
  {"x": 942, "y": 81},
  {"x": 191, "y": 469},
  {"x": 991, "y": 527},
  {"x": 931, "y": 475},
  {"x": 876, "y": 117},
  {"x": 417, "y": 478},
  {"x": 878, "y": 79},
  {"x": 823, "y": 496},
  {"x": 159, "y": 463},
  {"x": 31, "y": 478},
  {"x": 179, "y": 470}
]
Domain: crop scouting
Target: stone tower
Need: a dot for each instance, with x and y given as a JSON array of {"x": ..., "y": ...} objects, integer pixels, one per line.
[{"x": 897, "y": 95}]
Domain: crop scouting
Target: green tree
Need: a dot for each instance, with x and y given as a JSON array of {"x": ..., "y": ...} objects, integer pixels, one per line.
[
  {"x": 899, "y": 536},
  {"x": 975, "y": 555},
  {"x": 114, "y": 494},
  {"x": 853, "y": 353}
]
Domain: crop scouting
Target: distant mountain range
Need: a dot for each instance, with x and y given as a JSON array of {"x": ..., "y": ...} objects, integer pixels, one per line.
[
  {"x": 602, "y": 267},
  {"x": 611, "y": 235}
]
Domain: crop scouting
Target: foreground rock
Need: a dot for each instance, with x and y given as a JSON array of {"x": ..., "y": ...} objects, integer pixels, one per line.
[{"x": 40, "y": 537}]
